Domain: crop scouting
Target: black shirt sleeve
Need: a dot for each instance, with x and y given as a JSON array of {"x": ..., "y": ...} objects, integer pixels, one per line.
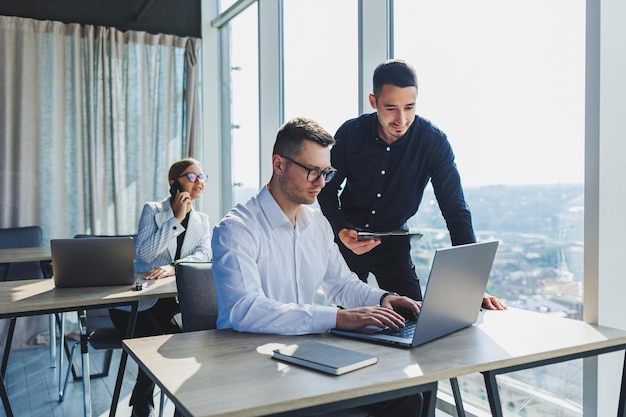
[{"x": 328, "y": 198}]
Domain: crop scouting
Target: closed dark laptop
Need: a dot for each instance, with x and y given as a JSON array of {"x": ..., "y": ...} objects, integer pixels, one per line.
[
  {"x": 93, "y": 262},
  {"x": 456, "y": 285}
]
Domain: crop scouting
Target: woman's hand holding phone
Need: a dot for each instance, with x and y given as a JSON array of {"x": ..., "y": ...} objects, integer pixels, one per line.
[{"x": 181, "y": 201}]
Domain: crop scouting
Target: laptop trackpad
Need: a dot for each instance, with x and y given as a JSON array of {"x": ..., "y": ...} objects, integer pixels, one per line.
[{"x": 371, "y": 329}]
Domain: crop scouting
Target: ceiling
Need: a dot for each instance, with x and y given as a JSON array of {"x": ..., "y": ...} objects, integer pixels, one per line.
[{"x": 177, "y": 17}]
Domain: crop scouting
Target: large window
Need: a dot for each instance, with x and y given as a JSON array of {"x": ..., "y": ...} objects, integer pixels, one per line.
[
  {"x": 225, "y": 4},
  {"x": 245, "y": 104},
  {"x": 319, "y": 82},
  {"x": 321, "y": 70},
  {"x": 505, "y": 82}
]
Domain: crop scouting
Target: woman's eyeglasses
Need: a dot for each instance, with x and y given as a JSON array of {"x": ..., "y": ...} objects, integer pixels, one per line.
[
  {"x": 192, "y": 177},
  {"x": 314, "y": 174}
]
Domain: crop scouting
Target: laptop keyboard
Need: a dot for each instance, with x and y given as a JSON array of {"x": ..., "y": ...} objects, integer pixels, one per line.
[{"x": 406, "y": 332}]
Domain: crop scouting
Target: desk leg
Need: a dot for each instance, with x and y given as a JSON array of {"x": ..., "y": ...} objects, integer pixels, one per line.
[
  {"x": 60, "y": 355},
  {"x": 621, "y": 406},
  {"x": 7, "y": 346},
  {"x": 458, "y": 400},
  {"x": 5, "y": 398},
  {"x": 492, "y": 394},
  {"x": 53, "y": 339},
  {"x": 123, "y": 358},
  {"x": 51, "y": 321},
  {"x": 84, "y": 350}
]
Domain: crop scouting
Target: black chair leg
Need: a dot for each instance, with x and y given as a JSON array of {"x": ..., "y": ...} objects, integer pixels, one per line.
[
  {"x": 106, "y": 367},
  {"x": 108, "y": 356}
]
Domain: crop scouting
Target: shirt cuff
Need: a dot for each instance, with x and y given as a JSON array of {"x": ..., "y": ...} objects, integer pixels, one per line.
[{"x": 324, "y": 318}]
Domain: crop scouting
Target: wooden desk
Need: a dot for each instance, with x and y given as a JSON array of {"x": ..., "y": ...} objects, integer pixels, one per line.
[
  {"x": 8, "y": 256},
  {"x": 40, "y": 296},
  {"x": 37, "y": 254},
  {"x": 224, "y": 373}
]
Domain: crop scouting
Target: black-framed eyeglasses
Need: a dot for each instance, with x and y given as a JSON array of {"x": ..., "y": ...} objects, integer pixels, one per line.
[
  {"x": 314, "y": 174},
  {"x": 193, "y": 177}
]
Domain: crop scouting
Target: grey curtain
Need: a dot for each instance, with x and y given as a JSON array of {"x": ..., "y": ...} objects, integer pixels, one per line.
[{"x": 90, "y": 120}]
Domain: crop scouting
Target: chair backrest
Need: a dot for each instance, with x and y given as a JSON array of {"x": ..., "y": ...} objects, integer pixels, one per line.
[
  {"x": 21, "y": 237},
  {"x": 196, "y": 296}
]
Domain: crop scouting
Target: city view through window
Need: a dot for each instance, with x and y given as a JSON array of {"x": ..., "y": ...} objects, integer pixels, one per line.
[{"x": 505, "y": 81}]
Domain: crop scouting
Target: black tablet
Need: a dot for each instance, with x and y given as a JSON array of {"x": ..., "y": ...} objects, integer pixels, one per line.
[{"x": 365, "y": 234}]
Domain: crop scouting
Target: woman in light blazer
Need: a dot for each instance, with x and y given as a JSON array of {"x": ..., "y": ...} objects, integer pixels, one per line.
[{"x": 169, "y": 230}]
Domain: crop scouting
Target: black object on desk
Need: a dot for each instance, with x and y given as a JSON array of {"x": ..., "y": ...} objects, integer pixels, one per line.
[{"x": 366, "y": 234}]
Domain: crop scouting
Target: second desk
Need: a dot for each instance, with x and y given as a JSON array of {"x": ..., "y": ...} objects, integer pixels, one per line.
[{"x": 40, "y": 296}]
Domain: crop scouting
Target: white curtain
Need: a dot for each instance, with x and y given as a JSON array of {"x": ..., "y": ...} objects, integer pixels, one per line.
[{"x": 91, "y": 118}]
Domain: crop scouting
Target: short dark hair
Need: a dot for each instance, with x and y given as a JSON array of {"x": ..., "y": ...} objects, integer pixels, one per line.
[
  {"x": 178, "y": 167},
  {"x": 293, "y": 133},
  {"x": 395, "y": 72}
]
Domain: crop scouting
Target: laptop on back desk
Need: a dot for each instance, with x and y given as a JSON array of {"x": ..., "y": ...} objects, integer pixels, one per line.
[
  {"x": 94, "y": 261},
  {"x": 452, "y": 300}
]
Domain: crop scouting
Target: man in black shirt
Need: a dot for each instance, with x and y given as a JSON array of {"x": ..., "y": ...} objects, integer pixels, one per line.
[{"x": 387, "y": 159}]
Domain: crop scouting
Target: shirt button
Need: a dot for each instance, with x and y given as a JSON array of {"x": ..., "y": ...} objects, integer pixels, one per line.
[
  {"x": 174, "y": 228},
  {"x": 367, "y": 225},
  {"x": 388, "y": 148},
  {"x": 382, "y": 172},
  {"x": 378, "y": 195},
  {"x": 373, "y": 211}
]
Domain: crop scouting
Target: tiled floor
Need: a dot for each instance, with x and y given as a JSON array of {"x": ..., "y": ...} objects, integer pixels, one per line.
[{"x": 33, "y": 389}]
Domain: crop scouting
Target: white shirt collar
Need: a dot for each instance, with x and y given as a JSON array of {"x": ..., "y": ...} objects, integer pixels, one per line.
[{"x": 275, "y": 215}]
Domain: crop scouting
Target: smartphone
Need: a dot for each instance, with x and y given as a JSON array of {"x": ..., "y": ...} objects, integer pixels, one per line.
[{"x": 175, "y": 188}]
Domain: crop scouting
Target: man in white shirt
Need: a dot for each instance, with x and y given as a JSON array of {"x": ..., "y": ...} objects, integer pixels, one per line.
[{"x": 272, "y": 254}]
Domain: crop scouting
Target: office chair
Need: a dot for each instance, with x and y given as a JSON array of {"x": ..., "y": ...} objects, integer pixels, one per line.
[
  {"x": 23, "y": 237},
  {"x": 102, "y": 335},
  {"x": 197, "y": 301},
  {"x": 196, "y": 296}
]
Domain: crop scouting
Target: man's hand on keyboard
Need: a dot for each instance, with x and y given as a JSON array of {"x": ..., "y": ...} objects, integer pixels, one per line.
[
  {"x": 401, "y": 303},
  {"x": 358, "y": 318}
]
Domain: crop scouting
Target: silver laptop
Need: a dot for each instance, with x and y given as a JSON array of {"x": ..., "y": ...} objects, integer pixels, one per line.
[
  {"x": 452, "y": 300},
  {"x": 93, "y": 262}
]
